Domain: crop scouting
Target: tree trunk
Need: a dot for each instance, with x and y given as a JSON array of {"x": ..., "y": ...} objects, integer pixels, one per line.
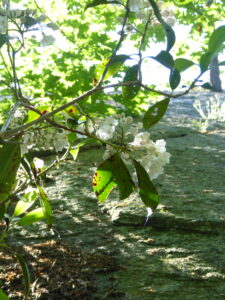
[{"x": 215, "y": 75}]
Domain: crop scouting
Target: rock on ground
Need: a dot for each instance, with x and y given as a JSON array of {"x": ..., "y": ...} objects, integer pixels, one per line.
[{"x": 180, "y": 254}]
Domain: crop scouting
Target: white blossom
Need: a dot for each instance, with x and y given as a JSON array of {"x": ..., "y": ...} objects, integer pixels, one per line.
[
  {"x": 135, "y": 5},
  {"x": 107, "y": 128},
  {"x": 60, "y": 141},
  {"x": 39, "y": 163},
  {"x": 170, "y": 21}
]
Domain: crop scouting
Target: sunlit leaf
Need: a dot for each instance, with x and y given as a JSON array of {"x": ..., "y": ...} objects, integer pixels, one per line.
[
  {"x": 216, "y": 40},
  {"x": 110, "y": 173},
  {"x": 74, "y": 153},
  {"x": 155, "y": 113},
  {"x": 147, "y": 190},
  {"x": 165, "y": 58},
  {"x": 129, "y": 92},
  {"x": 115, "y": 64},
  {"x": 21, "y": 207},
  {"x": 174, "y": 79},
  {"x": 32, "y": 115},
  {"x": 72, "y": 111},
  {"x": 182, "y": 64},
  {"x": 46, "y": 206},
  {"x": 32, "y": 217},
  {"x": 26, "y": 274},
  {"x": 9, "y": 164},
  {"x": 104, "y": 181}
]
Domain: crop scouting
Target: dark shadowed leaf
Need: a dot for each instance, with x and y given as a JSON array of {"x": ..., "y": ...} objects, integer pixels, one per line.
[
  {"x": 207, "y": 86},
  {"x": 182, "y": 64},
  {"x": 165, "y": 58},
  {"x": 129, "y": 92},
  {"x": 4, "y": 38},
  {"x": 170, "y": 36},
  {"x": 26, "y": 274},
  {"x": 99, "y": 2},
  {"x": 174, "y": 79},
  {"x": 110, "y": 173},
  {"x": 205, "y": 60},
  {"x": 9, "y": 164},
  {"x": 217, "y": 39},
  {"x": 147, "y": 190},
  {"x": 155, "y": 113},
  {"x": 29, "y": 21},
  {"x": 222, "y": 63},
  {"x": 2, "y": 211}
]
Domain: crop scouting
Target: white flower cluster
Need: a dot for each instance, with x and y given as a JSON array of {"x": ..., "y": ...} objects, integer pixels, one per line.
[
  {"x": 44, "y": 139},
  {"x": 134, "y": 144},
  {"x": 142, "y": 7}
]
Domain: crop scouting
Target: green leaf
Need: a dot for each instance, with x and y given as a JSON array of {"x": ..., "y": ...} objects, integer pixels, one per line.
[
  {"x": 216, "y": 40},
  {"x": 46, "y": 206},
  {"x": 9, "y": 164},
  {"x": 110, "y": 173},
  {"x": 165, "y": 58},
  {"x": 170, "y": 36},
  {"x": 129, "y": 92},
  {"x": 71, "y": 123},
  {"x": 147, "y": 190},
  {"x": 182, "y": 64},
  {"x": 29, "y": 21},
  {"x": 26, "y": 274},
  {"x": 115, "y": 64},
  {"x": 21, "y": 207},
  {"x": 207, "y": 86},
  {"x": 174, "y": 79},
  {"x": 155, "y": 113},
  {"x": 205, "y": 60},
  {"x": 103, "y": 181},
  {"x": 100, "y": 2},
  {"x": 4, "y": 38},
  {"x": 3, "y": 296},
  {"x": 74, "y": 153},
  {"x": 72, "y": 111},
  {"x": 32, "y": 115},
  {"x": 32, "y": 217},
  {"x": 222, "y": 63},
  {"x": 25, "y": 203},
  {"x": 2, "y": 211}
]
